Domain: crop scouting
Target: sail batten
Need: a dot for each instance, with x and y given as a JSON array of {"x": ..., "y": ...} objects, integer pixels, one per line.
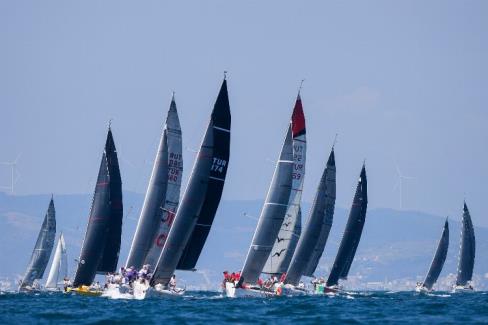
[
  {"x": 101, "y": 244},
  {"x": 352, "y": 233},
  {"x": 42, "y": 249},
  {"x": 201, "y": 198},
  {"x": 291, "y": 228},
  {"x": 312, "y": 242},
  {"x": 467, "y": 250},
  {"x": 272, "y": 215}
]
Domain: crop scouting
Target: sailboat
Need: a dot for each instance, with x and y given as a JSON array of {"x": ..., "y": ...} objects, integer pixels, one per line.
[
  {"x": 313, "y": 239},
  {"x": 162, "y": 196},
  {"x": 437, "y": 263},
  {"x": 101, "y": 245},
  {"x": 350, "y": 238},
  {"x": 41, "y": 253},
  {"x": 466, "y": 254},
  {"x": 199, "y": 204},
  {"x": 269, "y": 225},
  {"x": 59, "y": 267},
  {"x": 289, "y": 234}
]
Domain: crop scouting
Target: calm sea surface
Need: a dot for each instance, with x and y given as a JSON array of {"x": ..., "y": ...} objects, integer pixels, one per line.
[{"x": 210, "y": 307}]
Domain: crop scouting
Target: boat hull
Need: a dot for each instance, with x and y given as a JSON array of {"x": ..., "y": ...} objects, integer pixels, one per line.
[
  {"x": 143, "y": 290},
  {"x": 231, "y": 291},
  {"x": 85, "y": 291}
]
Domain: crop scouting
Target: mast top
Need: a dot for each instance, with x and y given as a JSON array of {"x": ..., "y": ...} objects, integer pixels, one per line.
[
  {"x": 225, "y": 74},
  {"x": 335, "y": 141},
  {"x": 300, "y": 87}
]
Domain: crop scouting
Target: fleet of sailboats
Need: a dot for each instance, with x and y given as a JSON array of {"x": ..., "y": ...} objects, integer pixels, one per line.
[{"x": 171, "y": 233}]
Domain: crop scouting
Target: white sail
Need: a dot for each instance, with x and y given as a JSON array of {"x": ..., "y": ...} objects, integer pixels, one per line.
[{"x": 59, "y": 266}]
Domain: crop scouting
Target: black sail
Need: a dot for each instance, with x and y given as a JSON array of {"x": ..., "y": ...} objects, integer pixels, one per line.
[
  {"x": 100, "y": 249},
  {"x": 198, "y": 206},
  {"x": 42, "y": 250},
  {"x": 221, "y": 120},
  {"x": 439, "y": 259},
  {"x": 313, "y": 239},
  {"x": 352, "y": 233},
  {"x": 467, "y": 250}
]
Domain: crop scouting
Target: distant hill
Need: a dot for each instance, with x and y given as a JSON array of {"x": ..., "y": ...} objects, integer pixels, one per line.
[{"x": 395, "y": 250}]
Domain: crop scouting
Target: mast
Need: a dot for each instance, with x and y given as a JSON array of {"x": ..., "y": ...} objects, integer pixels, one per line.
[
  {"x": 59, "y": 266},
  {"x": 439, "y": 259},
  {"x": 272, "y": 214},
  {"x": 167, "y": 211},
  {"x": 43, "y": 248},
  {"x": 313, "y": 240},
  {"x": 466, "y": 250},
  {"x": 202, "y": 196},
  {"x": 291, "y": 228},
  {"x": 352, "y": 233},
  {"x": 101, "y": 245}
]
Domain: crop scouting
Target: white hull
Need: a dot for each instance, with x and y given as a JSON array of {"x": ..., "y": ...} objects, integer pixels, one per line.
[
  {"x": 231, "y": 291},
  {"x": 422, "y": 289},
  {"x": 291, "y": 290},
  {"x": 144, "y": 290},
  {"x": 459, "y": 289},
  {"x": 116, "y": 291}
]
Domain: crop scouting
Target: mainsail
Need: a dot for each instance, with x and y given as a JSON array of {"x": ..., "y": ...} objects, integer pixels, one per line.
[
  {"x": 42, "y": 250},
  {"x": 439, "y": 259},
  {"x": 272, "y": 214},
  {"x": 199, "y": 204},
  {"x": 352, "y": 233},
  {"x": 291, "y": 228},
  {"x": 466, "y": 250},
  {"x": 172, "y": 132},
  {"x": 151, "y": 229},
  {"x": 59, "y": 266},
  {"x": 101, "y": 246},
  {"x": 313, "y": 239}
]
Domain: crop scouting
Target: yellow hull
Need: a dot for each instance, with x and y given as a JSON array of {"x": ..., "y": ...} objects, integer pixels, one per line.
[{"x": 85, "y": 291}]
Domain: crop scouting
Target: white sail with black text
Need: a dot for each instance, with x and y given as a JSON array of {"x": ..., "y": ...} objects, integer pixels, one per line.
[
  {"x": 289, "y": 234},
  {"x": 162, "y": 196}
]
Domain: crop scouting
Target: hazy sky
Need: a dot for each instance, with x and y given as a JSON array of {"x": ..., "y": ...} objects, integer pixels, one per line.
[{"x": 401, "y": 82}]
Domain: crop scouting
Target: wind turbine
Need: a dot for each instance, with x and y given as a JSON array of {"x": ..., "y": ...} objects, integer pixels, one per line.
[
  {"x": 399, "y": 184},
  {"x": 14, "y": 173}
]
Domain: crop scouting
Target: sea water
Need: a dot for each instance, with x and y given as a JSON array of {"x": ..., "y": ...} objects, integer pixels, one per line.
[{"x": 210, "y": 307}]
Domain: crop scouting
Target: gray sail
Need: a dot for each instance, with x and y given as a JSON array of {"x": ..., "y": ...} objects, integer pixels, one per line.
[
  {"x": 101, "y": 245},
  {"x": 167, "y": 212},
  {"x": 272, "y": 214},
  {"x": 202, "y": 195},
  {"x": 467, "y": 250},
  {"x": 352, "y": 233},
  {"x": 313, "y": 239},
  {"x": 153, "y": 210},
  {"x": 287, "y": 239},
  {"x": 42, "y": 250},
  {"x": 439, "y": 259}
]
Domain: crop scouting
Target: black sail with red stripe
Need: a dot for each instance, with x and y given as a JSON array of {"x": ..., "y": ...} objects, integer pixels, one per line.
[{"x": 101, "y": 246}]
